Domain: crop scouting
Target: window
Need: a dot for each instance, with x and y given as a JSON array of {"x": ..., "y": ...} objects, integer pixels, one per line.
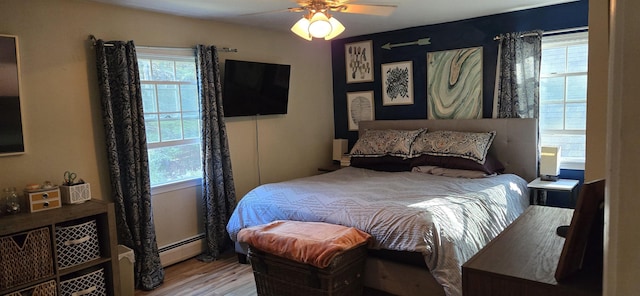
[
  {"x": 563, "y": 96},
  {"x": 172, "y": 114}
]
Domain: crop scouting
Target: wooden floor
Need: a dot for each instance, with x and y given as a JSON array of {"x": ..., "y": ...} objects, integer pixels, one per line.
[{"x": 222, "y": 277}]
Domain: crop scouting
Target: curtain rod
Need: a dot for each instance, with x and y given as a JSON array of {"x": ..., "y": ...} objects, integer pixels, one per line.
[
  {"x": 554, "y": 32},
  {"x": 224, "y": 49}
]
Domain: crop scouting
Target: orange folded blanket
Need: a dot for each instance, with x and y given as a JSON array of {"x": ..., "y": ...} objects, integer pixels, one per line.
[{"x": 314, "y": 243}]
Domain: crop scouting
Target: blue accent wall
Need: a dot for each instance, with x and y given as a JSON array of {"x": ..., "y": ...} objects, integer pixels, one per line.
[{"x": 453, "y": 35}]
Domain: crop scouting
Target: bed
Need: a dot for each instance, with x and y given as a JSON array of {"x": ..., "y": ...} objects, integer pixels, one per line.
[{"x": 424, "y": 226}]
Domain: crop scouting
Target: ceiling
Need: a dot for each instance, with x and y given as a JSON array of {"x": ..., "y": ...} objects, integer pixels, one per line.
[{"x": 272, "y": 14}]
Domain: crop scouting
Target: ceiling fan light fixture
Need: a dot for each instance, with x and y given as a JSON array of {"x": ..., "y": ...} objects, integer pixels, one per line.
[
  {"x": 301, "y": 28},
  {"x": 319, "y": 25},
  {"x": 337, "y": 29}
]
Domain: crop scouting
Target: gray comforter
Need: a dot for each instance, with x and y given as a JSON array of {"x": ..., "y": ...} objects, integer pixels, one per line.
[{"x": 446, "y": 219}]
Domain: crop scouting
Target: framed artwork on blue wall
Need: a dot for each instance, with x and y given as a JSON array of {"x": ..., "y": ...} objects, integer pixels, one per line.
[
  {"x": 359, "y": 108},
  {"x": 359, "y": 61},
  {"x": 454, "y": 84},
  {"x": 397, "y": 83}
]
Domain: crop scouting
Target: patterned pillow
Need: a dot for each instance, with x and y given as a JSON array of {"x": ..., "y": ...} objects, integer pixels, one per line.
[
  {"x": 377, "y": 143},
  {"x": 467, "y": 145}
]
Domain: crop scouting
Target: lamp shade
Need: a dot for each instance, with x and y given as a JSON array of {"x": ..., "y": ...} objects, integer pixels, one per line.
[
  {"x": 340, "y": 147},
  {"x": 336, "y": 28},
  {"x": 550, "y": 161},
  {"x": 319, "y": 25},
  {"x": 301, "y": 28}
]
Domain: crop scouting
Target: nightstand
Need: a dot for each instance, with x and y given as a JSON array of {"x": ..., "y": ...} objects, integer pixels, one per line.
[
  {"x": 540, "y": 189},
  {"x": 330, "y": 168}
]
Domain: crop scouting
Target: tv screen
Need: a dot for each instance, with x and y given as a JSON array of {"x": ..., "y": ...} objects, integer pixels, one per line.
[{"x": 254, "y": 88}]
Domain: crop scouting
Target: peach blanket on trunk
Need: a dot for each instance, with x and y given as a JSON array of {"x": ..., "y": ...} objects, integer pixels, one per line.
[{"x": 314, "y": 243}]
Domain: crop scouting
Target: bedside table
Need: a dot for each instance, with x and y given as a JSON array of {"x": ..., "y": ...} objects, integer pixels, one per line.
[
  {"x": 562, "y": 185},
  {"x": 330, "y": 168}
]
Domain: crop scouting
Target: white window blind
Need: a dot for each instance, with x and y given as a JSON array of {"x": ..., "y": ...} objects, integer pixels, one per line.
[
  {"x": 563, "y": 96},
  {"x": 172, "y": 114}
]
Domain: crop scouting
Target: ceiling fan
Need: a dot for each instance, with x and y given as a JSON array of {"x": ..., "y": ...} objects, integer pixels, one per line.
[
  {"x": 344, "y": 6},
  {"x": 319, "y": 23}
]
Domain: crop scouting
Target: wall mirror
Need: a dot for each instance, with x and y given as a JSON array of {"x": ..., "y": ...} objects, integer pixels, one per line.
[{"x": 11, "y": 134}]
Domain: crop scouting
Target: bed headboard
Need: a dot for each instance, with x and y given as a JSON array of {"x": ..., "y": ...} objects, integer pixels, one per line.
[{"x": 515, "y": 144}]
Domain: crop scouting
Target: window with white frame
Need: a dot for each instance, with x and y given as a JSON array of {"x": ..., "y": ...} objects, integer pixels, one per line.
[
  {"x": 172, "y": 114},
  {"x": 563, "y": 96}
]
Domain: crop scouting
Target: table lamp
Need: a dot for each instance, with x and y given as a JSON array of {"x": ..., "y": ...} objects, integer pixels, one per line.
[
  {"x": 549, "y": 163},
  {"x": 340, "y": 147}
]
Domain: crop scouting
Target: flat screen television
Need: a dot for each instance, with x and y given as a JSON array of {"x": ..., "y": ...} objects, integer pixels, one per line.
[{"x": 254, "y": 88}]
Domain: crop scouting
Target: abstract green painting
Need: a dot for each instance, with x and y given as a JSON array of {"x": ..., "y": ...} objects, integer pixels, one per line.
[{"x": 454, "y": 84}]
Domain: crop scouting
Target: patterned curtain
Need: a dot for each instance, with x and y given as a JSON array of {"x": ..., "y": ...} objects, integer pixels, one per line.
[
  {"x": 219, "y": 195},
  {"x": 119, "y": 83},
  {"x": 518, "y": 75}
]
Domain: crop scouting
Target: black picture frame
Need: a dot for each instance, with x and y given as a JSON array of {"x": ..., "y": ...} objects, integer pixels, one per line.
[{"x": 11, "y": 125}]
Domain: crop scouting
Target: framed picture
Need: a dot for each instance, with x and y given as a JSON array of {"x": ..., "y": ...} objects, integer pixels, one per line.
[
  {"x": 359, "y": 108},
  {"x": 359, "y": 61},
  {"x": 11, "y": 128},
  {"x": 397, "y": 83},
  {"x": 454, "y": 84}
]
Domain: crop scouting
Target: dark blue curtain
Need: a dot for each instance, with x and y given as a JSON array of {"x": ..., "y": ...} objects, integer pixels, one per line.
[
  {"x": 219, "y": 195},
  {"x": 123, "y": 119},
  {"x": 518, "y": 75}
]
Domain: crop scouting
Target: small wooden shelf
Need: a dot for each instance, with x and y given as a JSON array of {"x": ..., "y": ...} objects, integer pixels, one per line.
[
  {"x": 85, "y": 265},
  {"x": 102, "y": 212}
]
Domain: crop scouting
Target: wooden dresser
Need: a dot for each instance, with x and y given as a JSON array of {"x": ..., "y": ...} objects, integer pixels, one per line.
[{"x": 522, "y": 260}]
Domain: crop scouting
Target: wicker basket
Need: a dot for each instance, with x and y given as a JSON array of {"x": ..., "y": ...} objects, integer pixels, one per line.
[
  {"x": 90, "y": 284},
  {"x": 277, "y": 276},
  {"x": 25, "y": 257},
  {"x": 45, "y": 289},
  {"x": 77, "y": 244}
]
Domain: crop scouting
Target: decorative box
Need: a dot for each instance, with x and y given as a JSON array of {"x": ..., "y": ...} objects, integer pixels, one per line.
[
  {"x": 75, "y": 194},
  {"x": 77, "y": 244},
  {"x": 43, "y": 200},
  {"x": 278, "y": 276},
  {"x": 25, "y": 257},
  {"x": 90, "y": 284}
]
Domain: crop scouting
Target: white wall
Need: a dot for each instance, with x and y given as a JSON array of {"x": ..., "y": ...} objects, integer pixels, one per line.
[
  {"x": 597, "y": 90},
  {"x": 61, "y": 103},
  {"x": 622, "y": 260}
]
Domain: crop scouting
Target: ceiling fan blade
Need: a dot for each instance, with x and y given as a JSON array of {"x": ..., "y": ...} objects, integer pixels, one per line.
[
  {"x": 291, "y": 9},
  {"x": 373, "y": 9}
]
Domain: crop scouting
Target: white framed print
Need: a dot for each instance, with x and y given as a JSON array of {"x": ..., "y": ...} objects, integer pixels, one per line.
[
  {"x": 359, "y": 108},
  {"x": 359, "y": 61},
  {"x": 397, "y": 83}
]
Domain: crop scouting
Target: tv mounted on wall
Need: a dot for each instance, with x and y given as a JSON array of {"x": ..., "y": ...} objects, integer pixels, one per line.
[{"x": 254, "y": 88}]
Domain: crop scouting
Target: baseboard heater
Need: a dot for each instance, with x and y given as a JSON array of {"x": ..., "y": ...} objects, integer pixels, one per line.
[{"x": 181, "y": 250}]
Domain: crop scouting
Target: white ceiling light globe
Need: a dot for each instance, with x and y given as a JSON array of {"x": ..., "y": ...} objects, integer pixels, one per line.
[{"x": 319, "y": 25}]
